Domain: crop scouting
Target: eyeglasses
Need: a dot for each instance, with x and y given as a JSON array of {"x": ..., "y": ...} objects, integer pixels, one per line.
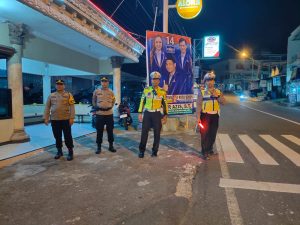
[
  {"x": 155, "y": 79},
  {"x": 59, "y": 84},
  {"x": 104, "y": 81}
]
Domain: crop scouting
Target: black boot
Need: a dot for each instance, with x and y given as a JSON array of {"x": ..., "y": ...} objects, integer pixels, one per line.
[
  {"x": 154, "y": 153},
  {"x": 70, "y": 155},
  {"x": 58, "y": 154},
  {"x": 111, "y": 148},
  {"x": 98, "y": 149},
  {"x": 141, "y": 155}
]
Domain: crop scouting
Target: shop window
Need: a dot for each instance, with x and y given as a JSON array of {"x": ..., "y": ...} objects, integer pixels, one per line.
[{"x": 5, "y": 103}]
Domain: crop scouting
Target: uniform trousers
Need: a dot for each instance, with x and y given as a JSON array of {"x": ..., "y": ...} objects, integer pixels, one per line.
[
  {"x": 59, "y": 127},
  {"x": 151, "y": 119},
  {"x": 209, "y": 132}
]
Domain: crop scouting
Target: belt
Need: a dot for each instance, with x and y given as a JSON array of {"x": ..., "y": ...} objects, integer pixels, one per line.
[
  {"x": 211, "y": 112},
  {"x": 153, "y": 110},
  {"x": 104, "y": 109}
]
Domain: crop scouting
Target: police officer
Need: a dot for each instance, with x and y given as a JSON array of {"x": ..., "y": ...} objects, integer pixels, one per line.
[
  {"x": 208, "y": 111},
  {"x": 154, "y": 105},
  {"x": 61, "y": 106},
  {"x": 103, "y": 101}
]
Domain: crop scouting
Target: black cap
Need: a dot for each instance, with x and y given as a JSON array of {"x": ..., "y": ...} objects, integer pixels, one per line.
[
  {"x": 59, "y": 82},
  {"x": 104, "y": 79}
]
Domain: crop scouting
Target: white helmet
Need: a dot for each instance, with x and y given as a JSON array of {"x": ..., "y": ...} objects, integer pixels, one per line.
[{"x": 209, "y": 76}]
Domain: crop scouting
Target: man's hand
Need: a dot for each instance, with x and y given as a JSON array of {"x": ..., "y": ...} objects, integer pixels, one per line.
[
  {"x": 164, "y": 120},
  {"x": 140, "y": 117},
  {"x": 46, "y": 122},
  {"x": 165, "y": 87},
  {"x": 71, "y": 121},
  {"x": 215, "y": 93}
]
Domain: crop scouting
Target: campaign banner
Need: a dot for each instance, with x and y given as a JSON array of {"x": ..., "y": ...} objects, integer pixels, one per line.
[{"x": 170, "y": 55}]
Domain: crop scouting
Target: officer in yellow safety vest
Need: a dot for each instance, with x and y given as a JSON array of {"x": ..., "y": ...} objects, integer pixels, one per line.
[
  {"x": 208, "y": 111},
  {"x": 154, "y": 105}
]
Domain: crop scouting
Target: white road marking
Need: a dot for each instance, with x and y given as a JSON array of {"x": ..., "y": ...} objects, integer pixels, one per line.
[
  {"x": 260, "y": 186},
  {"x": 232, "y": 203},
  {"x": 292, "y": 139},
  {"x": 260, "y": 154},
  {"x": 230, "y": 152},
  {"x": 291, "y": 121},
  {"x": 286, "y": 151}
]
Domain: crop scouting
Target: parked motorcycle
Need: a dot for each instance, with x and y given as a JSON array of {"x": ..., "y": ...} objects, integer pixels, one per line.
[
  {"x": 93, "y": 114},
  {"x": 125, "y": 117}
]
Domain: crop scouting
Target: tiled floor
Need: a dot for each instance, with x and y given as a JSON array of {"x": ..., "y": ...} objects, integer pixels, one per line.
[{"x": 40, "y": 136}]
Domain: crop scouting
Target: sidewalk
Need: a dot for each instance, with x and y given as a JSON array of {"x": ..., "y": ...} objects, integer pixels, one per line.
[
  {"x": 40, "y": 137},
  {"x": 280, "y": 101}
]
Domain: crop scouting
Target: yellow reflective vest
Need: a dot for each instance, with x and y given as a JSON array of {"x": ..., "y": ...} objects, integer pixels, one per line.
[
  {"x": 154, "y": 99},
  {"x": 210, "y": 103}
]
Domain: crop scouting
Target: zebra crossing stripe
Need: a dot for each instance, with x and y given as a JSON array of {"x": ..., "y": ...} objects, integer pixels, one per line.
[
  {"x": 260, "y": 154},
  {"x": 260, "y": 186},
  {"x": 286, "y": 151},
  {"x": 292, "y": 139},
  {"x": 231, "y": 154}
]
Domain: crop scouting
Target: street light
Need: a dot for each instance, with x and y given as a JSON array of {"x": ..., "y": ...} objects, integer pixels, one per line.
[{"x": 244, "y": 54}]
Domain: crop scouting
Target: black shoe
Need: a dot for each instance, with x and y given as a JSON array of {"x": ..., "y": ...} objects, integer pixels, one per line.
[
  {"x": 202, "y": 156},
  {"x": 154, "y": 154},
  {"x": 111, "y": 148},
  {"x": 70, "y": 155},
  {"x": 58, "y": 154},
  {"x": 141, "y": 155},
  {"x": 98, "y": 150},
  {"x": 213, "y": 153}
]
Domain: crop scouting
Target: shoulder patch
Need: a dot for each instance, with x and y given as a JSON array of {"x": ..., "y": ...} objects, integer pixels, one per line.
[{"x": 71, "y": 100}]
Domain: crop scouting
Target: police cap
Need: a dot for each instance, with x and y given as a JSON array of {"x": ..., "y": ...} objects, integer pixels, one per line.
[
  {"x": 59, "y": 82},
  {"x": 104, "y": 79}
]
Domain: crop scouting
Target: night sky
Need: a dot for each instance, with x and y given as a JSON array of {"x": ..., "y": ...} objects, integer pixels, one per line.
[{"x": 259, "y": 25}]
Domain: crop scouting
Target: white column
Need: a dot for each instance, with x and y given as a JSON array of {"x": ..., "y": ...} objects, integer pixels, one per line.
[
  {"x": 46, "y": 84},
  {"x": 15, "y": 82},
  {"x": 116, "y": 62}
]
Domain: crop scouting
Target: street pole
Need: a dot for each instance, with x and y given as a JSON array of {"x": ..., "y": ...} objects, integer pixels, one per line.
[
  {"x": 165, "y": 16},
  {"x": 252, "y": 68}
]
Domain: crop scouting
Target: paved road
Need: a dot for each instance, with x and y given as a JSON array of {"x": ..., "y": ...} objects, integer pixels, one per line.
[{"x": 254, "y": 179}]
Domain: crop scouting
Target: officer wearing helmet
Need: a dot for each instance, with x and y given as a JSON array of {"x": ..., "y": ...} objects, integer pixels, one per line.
[
  {"x": 208, "y": 112},
  {"x": 153, "y": 112}
]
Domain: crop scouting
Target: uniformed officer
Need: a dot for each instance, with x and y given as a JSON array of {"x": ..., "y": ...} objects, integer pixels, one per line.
[
  {"x": 103, "y": 101},
  {"x": 154, "y": 105},
  {"x": 60, "y": 107},
  {"x": 208, "y": 111}
]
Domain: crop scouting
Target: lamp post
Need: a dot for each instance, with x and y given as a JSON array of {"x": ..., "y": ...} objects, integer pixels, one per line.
[{"x": 244, "y": 54}]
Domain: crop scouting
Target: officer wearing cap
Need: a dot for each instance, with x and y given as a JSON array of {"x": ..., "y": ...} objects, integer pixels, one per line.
[
  {"x": 154, "y": 105},
  {"x": 103, "y": 102},
  {"x": 60, "y": 108},
  {"x": 208, "y": 111}
]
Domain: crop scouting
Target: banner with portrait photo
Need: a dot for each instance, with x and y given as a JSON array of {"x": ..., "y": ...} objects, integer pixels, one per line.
[{"x": 171, "y": 56}]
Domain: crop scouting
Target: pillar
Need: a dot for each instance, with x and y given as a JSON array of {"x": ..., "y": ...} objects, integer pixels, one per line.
[
  {"x": 116, "y": 62},
  {"x": 46, "y": 83},
  {"x": 15, "y": 82}
]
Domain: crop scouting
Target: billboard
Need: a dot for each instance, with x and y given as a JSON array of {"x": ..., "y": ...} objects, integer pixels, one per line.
[
  {"x": 211, "y": 47},
  {"x": 170, "y": 55}
]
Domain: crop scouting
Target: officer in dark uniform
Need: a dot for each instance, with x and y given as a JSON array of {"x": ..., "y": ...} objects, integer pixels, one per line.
[
  {"x": 103, "y": 102},
  {"x": 60, "y": 107},
  {"x": 154, "y": 105}
]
